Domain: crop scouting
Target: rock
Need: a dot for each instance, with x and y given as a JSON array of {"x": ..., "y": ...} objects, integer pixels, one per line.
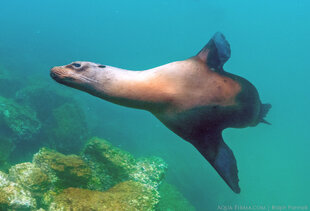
[
  {"x": 67, "y": 130},
  {"x": 172, "y": 199},
  {"x": 19, "y": 121},
  {"x": 6, "y": 147},
  {"x": 63, "y": 121},
  {"x": 150, "y": 171},
  {"x": 4, "y": 180},
  {"x": 63, "y": 170},
  {"x": 13, "y": 196},
  {"x": 48, "y": 198},
  {"x": 125, "y": 196},
  {"x": 42, "y": 97},
  {"x": 30, "y": 178},
  {"x": 111, "y": 165},
  {"x": 4, "y": 200}
]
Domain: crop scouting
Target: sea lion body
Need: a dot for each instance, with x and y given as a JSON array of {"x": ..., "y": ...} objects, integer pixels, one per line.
[{"x": 194, "y": 98}]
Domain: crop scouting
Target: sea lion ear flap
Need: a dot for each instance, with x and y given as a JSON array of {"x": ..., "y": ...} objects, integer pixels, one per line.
[{"x": 216, "y": 52}]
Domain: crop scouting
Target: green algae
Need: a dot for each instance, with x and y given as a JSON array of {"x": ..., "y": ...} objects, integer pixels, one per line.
[
  {"x": 4, "y": 200},
  {"x": 54, "y": 181},
  {"x": 150, "y": 171},
  {"x": 63, "y": 121},
  {"x": 63, "y": 170},
  {"x": 111, "y": 165},
  {"x": 68, "y": 129},
  {"x": 6, "y": 147},
  {"x": 172, "y": 199},
  {"x": 30, "y": 177},
  {"x": 13, "y": 196},
  {"x": 127, "y": 195},
  {"x": 20, "y": 120},
  {"x": 42, "y": 97}
]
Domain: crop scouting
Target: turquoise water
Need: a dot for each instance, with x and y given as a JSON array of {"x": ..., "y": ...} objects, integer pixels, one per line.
[{"x": 270, "y": 47}]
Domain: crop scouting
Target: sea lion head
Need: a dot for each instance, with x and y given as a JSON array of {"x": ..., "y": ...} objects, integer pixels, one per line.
[{"x": 79, "y": 75}]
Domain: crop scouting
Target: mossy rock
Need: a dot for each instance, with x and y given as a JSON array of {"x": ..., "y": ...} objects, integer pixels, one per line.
[
  {"x": 4, "y": 179},
  {"x": 6, "y": 147},
  {"x": 20, "y": 120},
  {"x": 63, "y": 170},
  {"x": 4, "y": 200},
  {"x": 171, "y": 199},
  {"x": 150, "y": 171},
  {"x": 13, "y": 196},
  {"x": 42, "y": 97},
  {"x": 67, "y": 131},
  {"x": 30, "y": 177},
  {"x": 111, "y": 165},
  {"x": 105, "y": 152},
  {"x": 48, "y": 197},
  {"x": 63, "y": 121},
  {"x": 125, "y": 196}
]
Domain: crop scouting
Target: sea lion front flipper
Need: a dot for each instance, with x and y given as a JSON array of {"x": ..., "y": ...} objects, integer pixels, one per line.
[
  {"x": 221, "y": 157},
  {"x": 216, "y": 52}
]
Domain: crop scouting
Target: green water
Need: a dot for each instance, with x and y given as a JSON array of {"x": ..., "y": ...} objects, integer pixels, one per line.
[{"x": 270, "y": 47}]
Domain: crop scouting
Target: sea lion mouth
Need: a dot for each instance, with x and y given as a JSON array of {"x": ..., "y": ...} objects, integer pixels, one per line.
[
  {"x": 53, "y": 75},
  {"x": 60, "y": 75},
  {"x": 56, "y": 74},
  {"x": 65, "y": 76}
]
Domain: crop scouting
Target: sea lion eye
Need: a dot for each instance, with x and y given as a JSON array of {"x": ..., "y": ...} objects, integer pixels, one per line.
[
  {"x": 101, "y": 66},
  {"x": 76, "y": 64}
]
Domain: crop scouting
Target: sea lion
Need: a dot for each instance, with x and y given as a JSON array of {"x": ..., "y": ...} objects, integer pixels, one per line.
[{"x": 194, "y": 98}]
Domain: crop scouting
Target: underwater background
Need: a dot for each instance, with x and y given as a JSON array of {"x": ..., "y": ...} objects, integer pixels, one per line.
[{"x": 270, "y": 47}]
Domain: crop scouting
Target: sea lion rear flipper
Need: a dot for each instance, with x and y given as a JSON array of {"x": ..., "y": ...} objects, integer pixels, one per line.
[
  {"x": 216, "y": 52},
  {"x": 221, "y": 157}
]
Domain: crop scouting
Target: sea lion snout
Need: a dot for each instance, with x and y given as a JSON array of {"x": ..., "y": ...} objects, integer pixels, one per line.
[
  {"x": 62, "y": 75},
  {"x": 57, "y": 73},
  {"x": 77, "y": 74},
  {"x": 53, "y": 75}
]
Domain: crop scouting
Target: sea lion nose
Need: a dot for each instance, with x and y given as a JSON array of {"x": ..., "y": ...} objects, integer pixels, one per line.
[{"x": 53, "y": 72}]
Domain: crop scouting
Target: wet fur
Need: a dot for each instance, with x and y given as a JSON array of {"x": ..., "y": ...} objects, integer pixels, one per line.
[{"x": 193, "y": 100}]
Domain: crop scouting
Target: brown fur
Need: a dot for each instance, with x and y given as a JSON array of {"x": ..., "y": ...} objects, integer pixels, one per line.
[
  {"x": 177, "y": 86},
  {"x": 191, "y": 99}
]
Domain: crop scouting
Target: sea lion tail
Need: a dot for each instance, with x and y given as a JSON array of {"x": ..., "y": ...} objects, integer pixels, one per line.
[{"x": 263, "y": 113}]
